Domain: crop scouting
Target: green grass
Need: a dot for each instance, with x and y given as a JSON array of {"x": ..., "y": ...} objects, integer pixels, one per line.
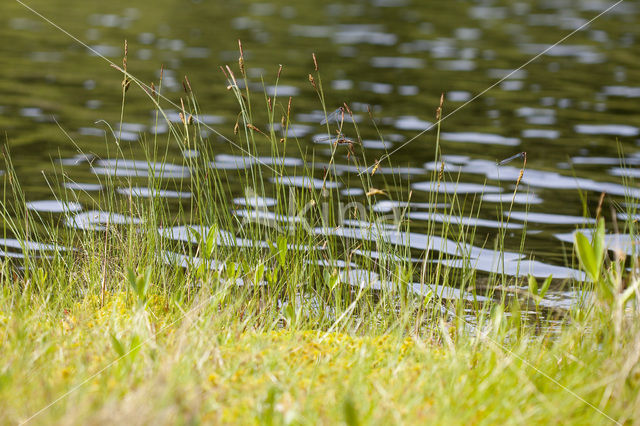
[{"x": 109, "y": 331}]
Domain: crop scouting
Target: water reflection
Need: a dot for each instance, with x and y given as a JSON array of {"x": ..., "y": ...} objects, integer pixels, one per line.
[
  {"x": 139, "y": 169},
  {"x": 137, "y": 191},
  {"x": 94, "y": 220}
]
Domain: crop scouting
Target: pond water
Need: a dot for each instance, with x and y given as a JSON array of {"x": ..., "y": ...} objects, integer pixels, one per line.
[{"x": 574, "y": 110}]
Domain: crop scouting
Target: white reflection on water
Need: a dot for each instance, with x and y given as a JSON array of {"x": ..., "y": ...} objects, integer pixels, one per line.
[
  {"x": 614, "y": 242},
  {"x": 138, "y": 168},
  {"x": 93, "y": 220},
  {"x": 532, "y": 177},
  {"x": 481, "y": 138},
  {"x": 53, "y": 206},
  {"x": 549, "y": 218},
  {"x": 138, "y": 191},
  {"x": 466, "y": 221}
]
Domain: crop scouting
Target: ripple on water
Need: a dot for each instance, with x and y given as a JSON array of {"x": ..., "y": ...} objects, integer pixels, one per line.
[
  {"x": 338, "y": 169},
  {"x": 78, "y": 186},
  {"x": 94, "y": 219},
  {"x": 410, "y": 122},
  {"x": 231, "y": 162},
  {"x": 30, "y": 245},
  {"x": 311, "y": 31},
  {"x": 456, "y": 65},
  {"x": 462, "y": 220},
  {"x": 188, "y": 233},
  {"x": 625, "y": 171},
  {"x": 455, "y": 187},
  {"x": 549, "y": 218},
  {"x": 614, "y": 242},
  {"x": 535, "y": 178},
  {"x": 540, "y": 134},
  {"x": 604, "y": 161},
  {"x": 516, "y": 267},
  {"x": 186, "y": 261},
  {"x": 366, "y": 279},
  {"x": 174, "y": 117},
  {"x": 139, "y": 191},
  {"x": 376, "y": 144},
  {"x": 364, "y": 34},
  {"x": 293, "y": 130},
  {"x": 253, "y": 200},
  {"x": 582, "y": 53},
  {"x": 537, "y": 116},
  {"x": 458, "y": 96},
  {"x": 352, "y": 192},
  {"x": 318, "y": 116},
  {"x": 379, "y": 88},
  {"x": 481, "y": 138},
  {"x": 53, "y": 206},
  {"x": 305, "y": 182},
  {"x": 76, "y": 159},
  {"x": 607, "y": 129},
  {"x": 342, "y": 84},
  {"x": 387, "y": 206},
  {"x": 396, "y": 62},
  {"x": 622, "y": 91},
  {"x": 138, "y": 168},
  {"x": 518, "y": 198},
  {"x": 282, "y": 90},
  {"x": 514, "y": 74}
]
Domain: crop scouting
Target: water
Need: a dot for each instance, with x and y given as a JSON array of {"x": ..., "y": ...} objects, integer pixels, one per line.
[{"x": 571, "y": 111}]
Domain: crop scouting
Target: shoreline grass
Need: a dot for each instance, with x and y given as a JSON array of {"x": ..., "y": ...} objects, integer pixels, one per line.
[{"x": 192, "y": 314}]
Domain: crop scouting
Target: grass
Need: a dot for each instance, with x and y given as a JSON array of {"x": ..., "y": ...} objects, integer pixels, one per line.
[{"x": 116, "y": 329}]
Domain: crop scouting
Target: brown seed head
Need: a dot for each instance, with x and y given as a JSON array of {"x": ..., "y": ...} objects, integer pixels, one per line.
[
  {"x": 252, "y": 127},
  {"x": 315, "y": 61},
  {"x": 289, "y": 107},
  {"x": 375, "y": 191},
  {"x": 126, "y": 53},
  {"x": 439, "y": 109},
  {"x": 312, "y": 81},
  {"x": 520, "y": 177},
  {"x": 375, "y": 167},
  {"x": 241, "y": 65},
  {"x": 279, "y": 72}
]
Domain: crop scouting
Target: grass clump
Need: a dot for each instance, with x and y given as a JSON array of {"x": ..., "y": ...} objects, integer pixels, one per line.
[{"x": 193, "y": 313}]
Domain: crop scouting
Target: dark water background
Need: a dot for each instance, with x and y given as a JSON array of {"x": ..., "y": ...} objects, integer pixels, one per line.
[{"x": 574, "y": 110}]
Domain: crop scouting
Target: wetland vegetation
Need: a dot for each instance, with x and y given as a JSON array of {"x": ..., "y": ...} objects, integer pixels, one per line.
[{"x": 281, "y": 261}]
